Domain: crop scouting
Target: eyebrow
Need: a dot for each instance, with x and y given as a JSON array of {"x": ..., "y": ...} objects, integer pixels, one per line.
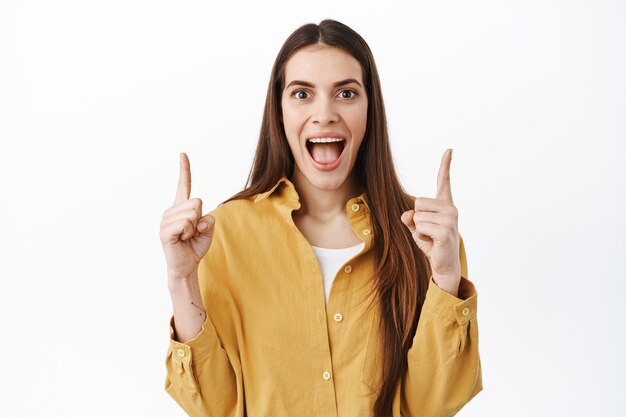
[{"x": 337, "y": 84}]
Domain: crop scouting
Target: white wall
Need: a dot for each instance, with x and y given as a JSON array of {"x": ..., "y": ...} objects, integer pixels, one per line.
[{"x": 98, "y": 99}]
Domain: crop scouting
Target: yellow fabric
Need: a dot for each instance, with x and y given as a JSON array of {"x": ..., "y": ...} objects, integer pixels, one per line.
[{"x": 270, "y": 347}]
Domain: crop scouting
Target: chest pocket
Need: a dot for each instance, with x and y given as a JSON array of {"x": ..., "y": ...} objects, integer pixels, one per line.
[{"x": 371, "y": 373}]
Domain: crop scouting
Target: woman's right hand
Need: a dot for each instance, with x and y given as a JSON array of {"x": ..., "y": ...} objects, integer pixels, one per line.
[{"x": 185, "y": 236}]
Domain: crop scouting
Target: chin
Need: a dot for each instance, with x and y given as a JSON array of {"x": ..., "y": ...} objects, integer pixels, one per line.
[{"x": 328, "y": 181}]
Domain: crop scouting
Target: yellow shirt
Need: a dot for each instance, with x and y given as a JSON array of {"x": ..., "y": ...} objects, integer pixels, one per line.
[{"x": 271, "y": 347}]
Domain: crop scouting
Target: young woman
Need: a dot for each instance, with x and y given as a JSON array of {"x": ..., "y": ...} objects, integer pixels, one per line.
[{"x": 322, "y": 288}]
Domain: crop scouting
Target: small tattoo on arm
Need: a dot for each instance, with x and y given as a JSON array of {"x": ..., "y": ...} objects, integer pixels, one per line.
[{"x": 199, "y": 308}]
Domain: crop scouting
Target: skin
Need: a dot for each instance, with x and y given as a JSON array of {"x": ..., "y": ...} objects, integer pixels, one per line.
[
  {"x": 433, "y": 223},
  {"x": 308, "y": 110}
]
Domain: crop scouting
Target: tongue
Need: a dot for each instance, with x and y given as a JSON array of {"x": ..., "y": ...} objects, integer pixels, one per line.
[{"x": 325, "y": 153}]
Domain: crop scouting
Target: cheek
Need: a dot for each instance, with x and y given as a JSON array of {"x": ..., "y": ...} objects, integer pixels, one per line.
[
  {"x": 292, "y": 133},
  {"x": 291, "y": 112},
  {"x": 357, "y": 119}
]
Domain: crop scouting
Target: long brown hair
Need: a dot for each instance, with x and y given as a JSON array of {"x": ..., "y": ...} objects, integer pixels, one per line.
[{"x": 402, "y": 271}]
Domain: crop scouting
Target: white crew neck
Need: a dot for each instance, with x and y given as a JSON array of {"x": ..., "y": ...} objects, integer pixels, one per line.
[{"x": 338, "y": 251}]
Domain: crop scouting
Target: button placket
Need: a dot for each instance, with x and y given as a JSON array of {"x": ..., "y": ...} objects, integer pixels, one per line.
[{"x": 358, "y": 213}]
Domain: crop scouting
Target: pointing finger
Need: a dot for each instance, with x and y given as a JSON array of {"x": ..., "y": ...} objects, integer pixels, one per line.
[
  {"x": 184, "y": 180},
  {"x": 444, "y": 190}
]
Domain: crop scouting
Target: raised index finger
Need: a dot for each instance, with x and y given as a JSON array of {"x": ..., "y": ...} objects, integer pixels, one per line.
[
  {"x": 184, "y": 180},
  {"x": 444, "y": 191}
]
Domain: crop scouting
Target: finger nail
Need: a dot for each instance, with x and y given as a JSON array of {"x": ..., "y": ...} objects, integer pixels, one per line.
[{"x": 202, "y": 226}]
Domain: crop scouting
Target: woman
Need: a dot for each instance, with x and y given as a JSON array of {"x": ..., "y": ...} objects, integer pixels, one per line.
[{"x": 327, "y": 289}]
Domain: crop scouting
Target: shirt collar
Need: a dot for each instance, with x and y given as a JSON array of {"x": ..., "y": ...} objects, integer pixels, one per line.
[
  {"x": 283, "y": 180},
  {"x": 292, "y": 194}
]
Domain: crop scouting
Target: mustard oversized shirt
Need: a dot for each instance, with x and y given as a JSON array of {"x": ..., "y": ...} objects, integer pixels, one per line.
[{"x": 271, "y": 347}]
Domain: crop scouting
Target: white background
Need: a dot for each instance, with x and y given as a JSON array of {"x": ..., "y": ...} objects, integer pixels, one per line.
[{"x": 97, "y": 99}]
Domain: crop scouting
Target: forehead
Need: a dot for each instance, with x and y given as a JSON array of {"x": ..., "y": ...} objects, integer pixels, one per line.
[{"x": 322, "y": 66}]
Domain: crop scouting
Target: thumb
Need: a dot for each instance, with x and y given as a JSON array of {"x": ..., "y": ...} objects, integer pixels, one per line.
[
  {"x": 407, "y": 219},
  {"x": 205, "y": 225}
]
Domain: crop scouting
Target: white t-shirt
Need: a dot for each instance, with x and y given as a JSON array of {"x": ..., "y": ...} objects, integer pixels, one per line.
[{"x": 331, "y": 260}]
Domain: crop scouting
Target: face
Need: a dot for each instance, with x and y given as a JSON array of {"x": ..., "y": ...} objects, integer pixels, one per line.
[{"x": 325, "y": 100}]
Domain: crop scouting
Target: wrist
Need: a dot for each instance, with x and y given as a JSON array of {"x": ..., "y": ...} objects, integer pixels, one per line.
[
  {"x": 177, "y": 281},
  {"x": 449, "y": 284}
]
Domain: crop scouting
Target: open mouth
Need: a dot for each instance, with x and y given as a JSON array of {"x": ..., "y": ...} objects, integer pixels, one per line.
[{"x": 325, "y": 151}]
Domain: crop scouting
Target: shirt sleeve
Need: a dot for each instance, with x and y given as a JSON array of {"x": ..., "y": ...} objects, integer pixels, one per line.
[
  {"x": 199, "y": 374},
  {"x": 444, "y": 370}
]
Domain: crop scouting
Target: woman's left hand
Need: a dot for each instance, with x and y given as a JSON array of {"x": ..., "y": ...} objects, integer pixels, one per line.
[{"x": 434, "y": 226}]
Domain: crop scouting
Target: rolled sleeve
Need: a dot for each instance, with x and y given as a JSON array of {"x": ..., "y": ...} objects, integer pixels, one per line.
[
  {"x": 198, "y": 347},
  {"x": 459, "y": 309},
  {"x": 200, "y": 376}
]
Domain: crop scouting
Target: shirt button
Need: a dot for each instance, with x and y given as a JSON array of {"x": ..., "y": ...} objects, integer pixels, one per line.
[
  {"x": 355, "y": 207},
  {"x": 181, "y": 353},
  {"x": 347, "y": 269},
  {"x": 465, "y": 311},
  {"x": 326, "y": 375},
  {"x": 366, "y": 231},
  {"x": 338, "y": 317}
]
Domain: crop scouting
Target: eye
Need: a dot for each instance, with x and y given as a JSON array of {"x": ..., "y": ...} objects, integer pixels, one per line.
[
  {"x": 349, "y": 91},
  {"x": 299, "y": 97}
]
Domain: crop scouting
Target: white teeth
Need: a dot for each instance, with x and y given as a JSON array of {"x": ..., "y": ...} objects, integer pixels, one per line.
[{"x": 325, "y": 140}]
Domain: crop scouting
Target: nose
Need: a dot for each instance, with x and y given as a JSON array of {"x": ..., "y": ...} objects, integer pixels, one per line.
[{"x": 325, "y": 112}]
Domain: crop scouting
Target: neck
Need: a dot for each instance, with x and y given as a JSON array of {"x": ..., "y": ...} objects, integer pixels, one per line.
[{"x": 323, "y": 204}]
